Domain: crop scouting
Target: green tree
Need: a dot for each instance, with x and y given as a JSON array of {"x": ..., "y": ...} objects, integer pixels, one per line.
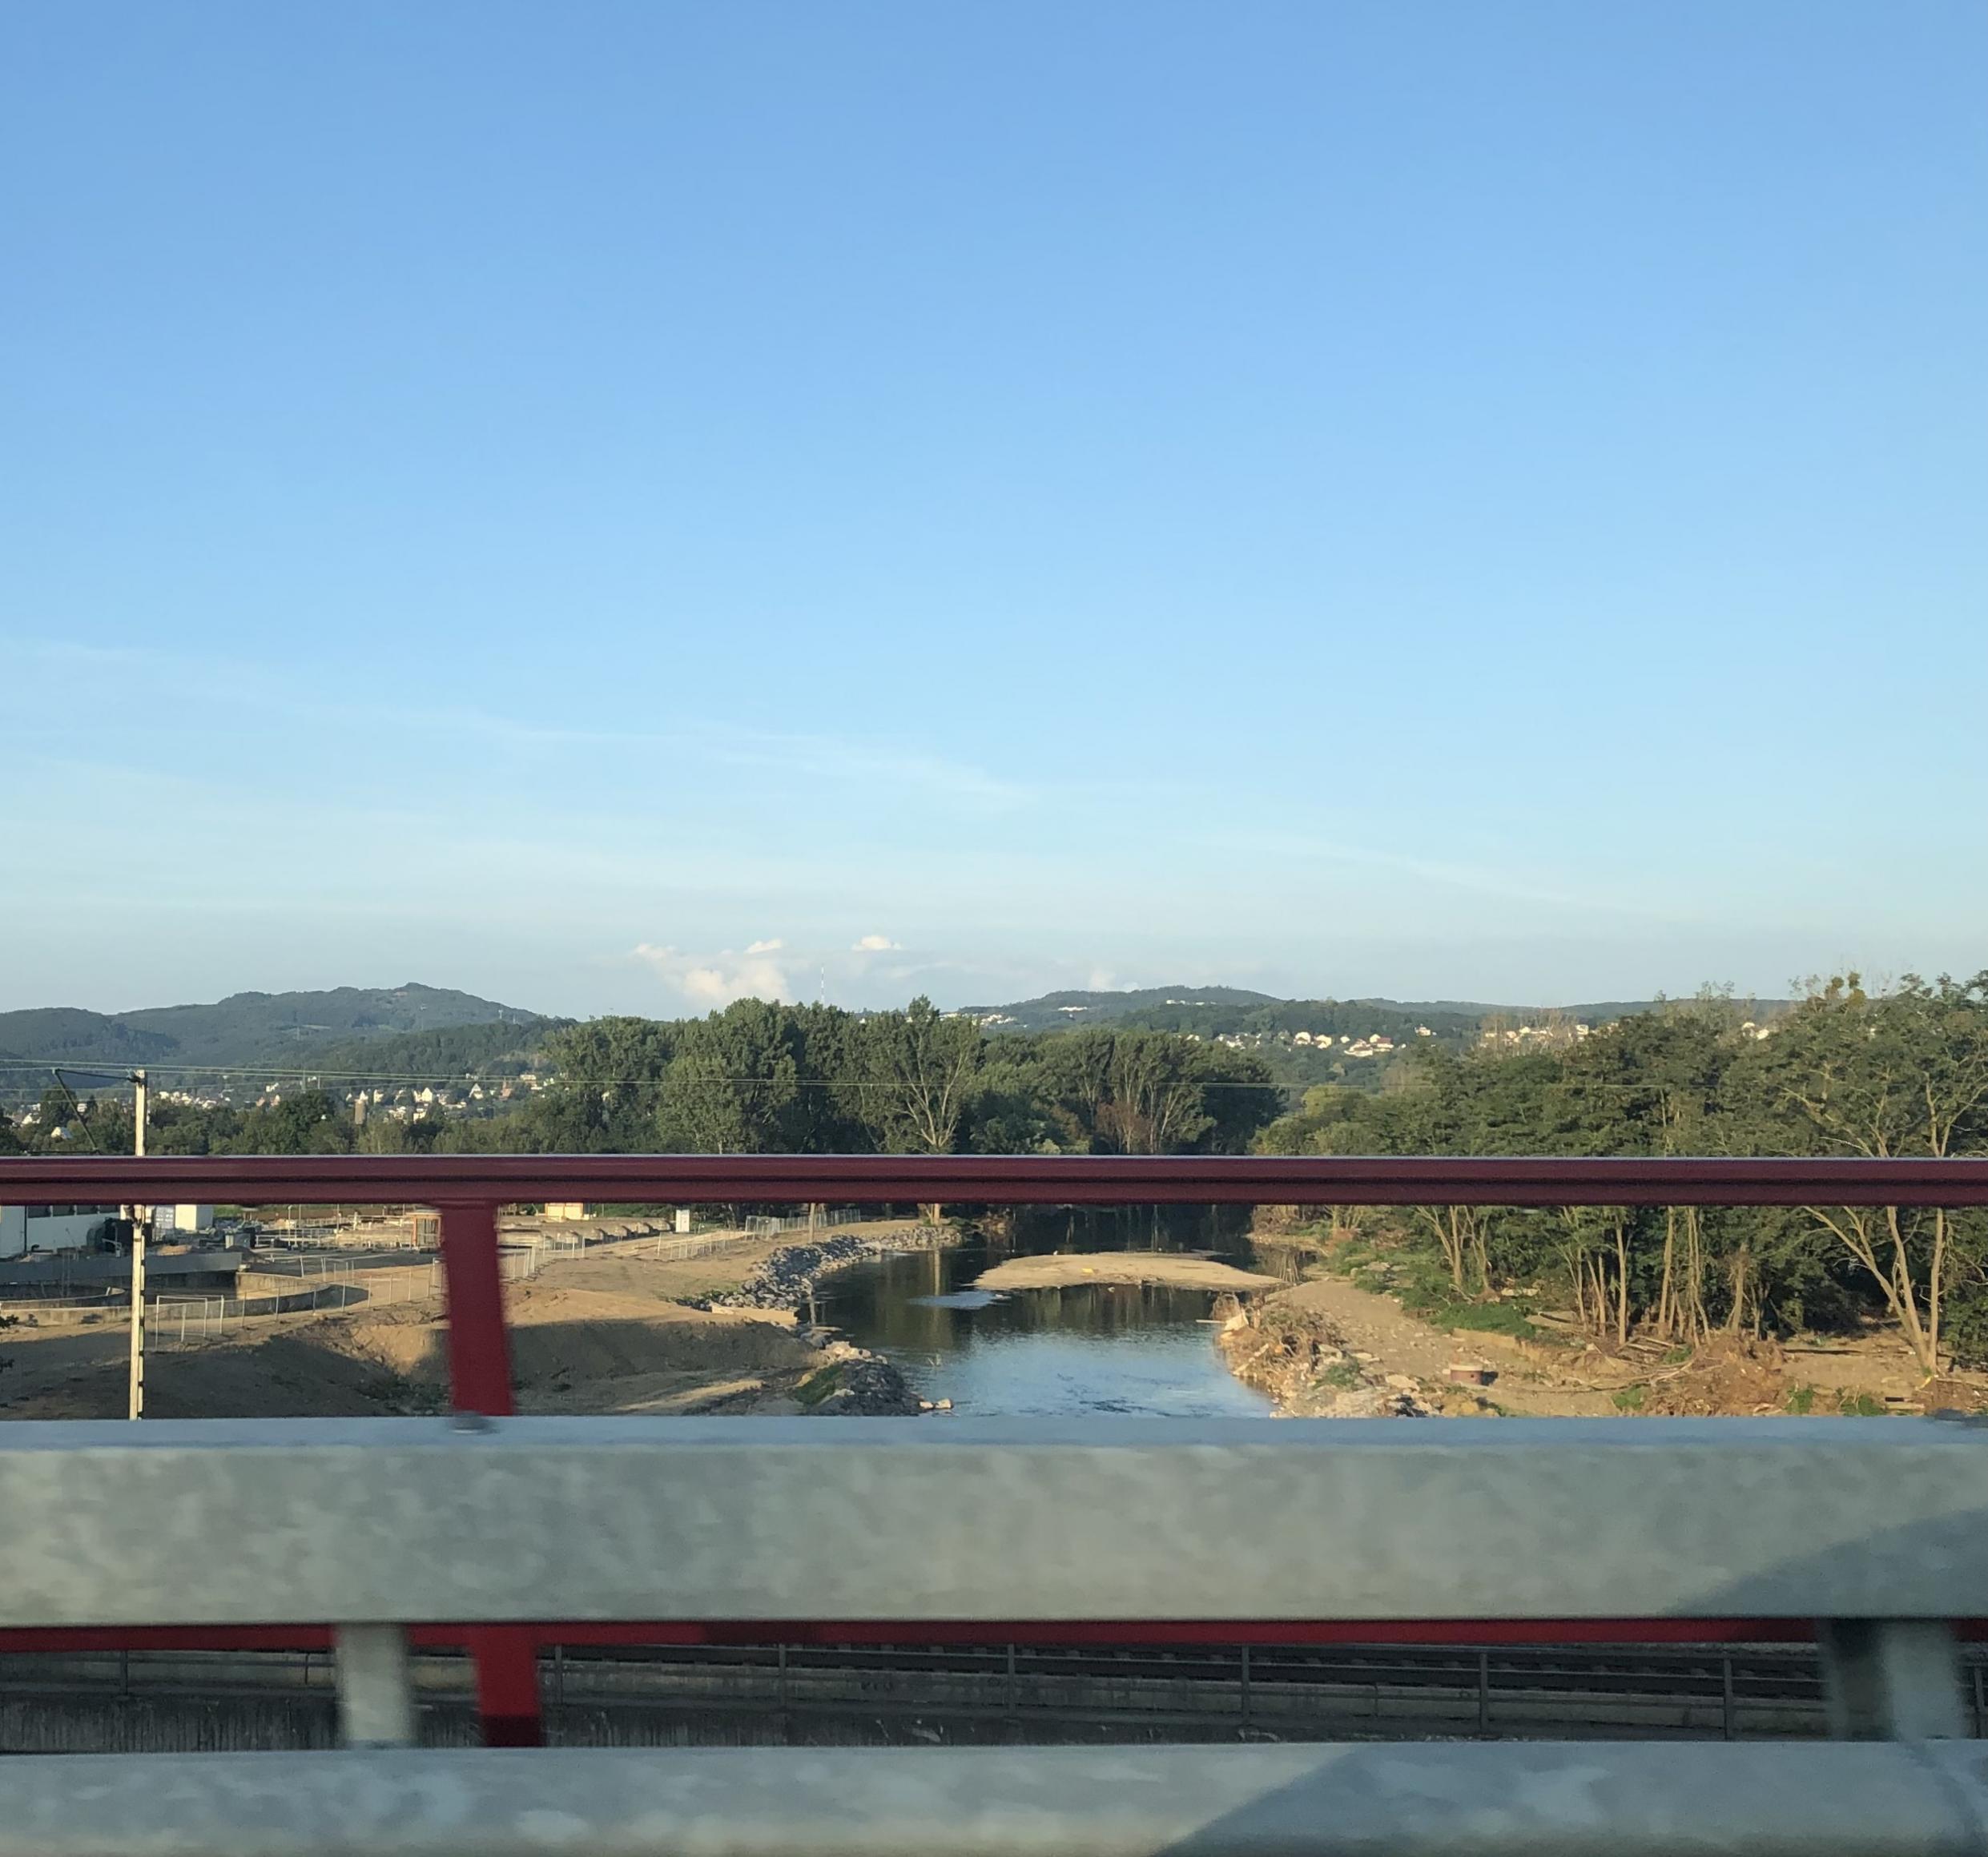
[
  {"x": 309, "y": 1122},
  {"x": 734, "y": 1087},
  {"x": 1903, "y": 1072},
  {"x": 919, "y": 1072}
]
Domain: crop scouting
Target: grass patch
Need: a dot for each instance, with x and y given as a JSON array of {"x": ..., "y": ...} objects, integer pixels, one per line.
[
  {"x": 1423, "y": 1290},
  {"x": 1860, "y": 1405},
  {"x": 1629, "y": 1399},
  {"x": 1800, "y": 1401},
  {"x": 1503, "y": 1318},
  {"x": 1342, "y": 1375},
  {"x": 1356, "y": 1254},
  {"x": 819, "y": 1385}
]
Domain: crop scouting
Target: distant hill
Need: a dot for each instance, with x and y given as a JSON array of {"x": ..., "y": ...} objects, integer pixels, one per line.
[
  {"x": 1079, "y": 1008},
  {"x": 246, "y": 1028},
  {"x": 1212, "y": 1011},
  {"x": 501, "y": 1048},
  {"x": 1303, "y": 1041}
]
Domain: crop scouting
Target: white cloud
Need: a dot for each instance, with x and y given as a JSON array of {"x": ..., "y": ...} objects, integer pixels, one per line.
[
  {"x": 876, "y": 945},
  {"x": 711, "y": 980},
  {"x": 771, "y": 947}
]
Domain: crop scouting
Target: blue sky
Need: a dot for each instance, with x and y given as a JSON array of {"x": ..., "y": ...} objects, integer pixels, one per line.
[{"x": 1439, "y": 499}]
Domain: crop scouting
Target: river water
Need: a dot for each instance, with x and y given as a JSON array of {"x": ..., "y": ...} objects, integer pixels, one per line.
[{"x": 1098, "y": 1348}]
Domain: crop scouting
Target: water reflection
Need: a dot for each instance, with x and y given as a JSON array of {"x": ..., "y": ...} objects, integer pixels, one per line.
[{"x": 1105, "y": 1348}]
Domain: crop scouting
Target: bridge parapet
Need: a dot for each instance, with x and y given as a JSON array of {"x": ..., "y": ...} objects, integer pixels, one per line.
[{"x": 509, "y": 1531}]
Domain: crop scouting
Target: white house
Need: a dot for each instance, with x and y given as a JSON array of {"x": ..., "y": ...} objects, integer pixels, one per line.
[{"x": 50, "y": 1227}]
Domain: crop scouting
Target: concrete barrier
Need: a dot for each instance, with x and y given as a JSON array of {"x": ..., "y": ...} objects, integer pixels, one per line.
[
  {"x": 405, "y": 1521},
  {"x": 1538, "y": 1800}
]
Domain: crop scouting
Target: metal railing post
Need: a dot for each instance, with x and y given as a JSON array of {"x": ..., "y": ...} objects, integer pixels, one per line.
[
  {"x": 1891, "y": 1679},
  {"x": 480, "y": 1383},
  {"x": 376, "y": 1691}
]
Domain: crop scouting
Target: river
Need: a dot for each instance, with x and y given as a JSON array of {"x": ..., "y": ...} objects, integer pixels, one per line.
[{"x": 1096, "y": 1349}]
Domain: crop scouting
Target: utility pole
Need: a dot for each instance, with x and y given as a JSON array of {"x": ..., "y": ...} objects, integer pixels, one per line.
[{"x": 141, "y": 1217}]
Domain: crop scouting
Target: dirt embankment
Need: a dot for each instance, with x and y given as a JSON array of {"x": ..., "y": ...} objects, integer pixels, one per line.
[
  {"x": 1329, "y": 1347},
  {"x": 1289, "y": 1347},
  {"x": 608, "y": 1334},
  {"x": 1177, "y": 1269}
]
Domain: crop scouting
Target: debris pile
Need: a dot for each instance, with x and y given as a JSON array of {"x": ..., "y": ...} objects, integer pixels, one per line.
[
  {"x": 1296, "y": 1357},
  {"x": 788, "y": 1278}
]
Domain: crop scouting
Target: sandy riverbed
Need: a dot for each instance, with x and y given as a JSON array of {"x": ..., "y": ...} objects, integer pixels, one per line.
[{"x": 1059, "y": 1271}]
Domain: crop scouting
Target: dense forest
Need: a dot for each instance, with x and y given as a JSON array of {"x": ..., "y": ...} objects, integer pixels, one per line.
[{"x": 1902, "y": 1071}]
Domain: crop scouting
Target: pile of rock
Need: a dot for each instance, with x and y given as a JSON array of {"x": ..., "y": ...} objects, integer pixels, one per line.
[
  {"x": 789, "y": 1276},
  {"x": 785, "y": 1281},
  {"x": 852, "y": 1382},
  {"x": 1364, "y": 1402},
  {"x": 919, "y": 1237}
]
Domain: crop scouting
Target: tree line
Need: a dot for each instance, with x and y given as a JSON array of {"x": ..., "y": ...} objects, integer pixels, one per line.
[
  {"x": 761, "y": 1077},
  {"x": 1850, "y": 1071},
  {"x": 1902, "y": 1071}
]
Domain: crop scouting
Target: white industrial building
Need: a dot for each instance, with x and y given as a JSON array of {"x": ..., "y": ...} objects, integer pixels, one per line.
[
  {"x": 25, "y": 1228},
  {"x": 181, "y": 1221}
]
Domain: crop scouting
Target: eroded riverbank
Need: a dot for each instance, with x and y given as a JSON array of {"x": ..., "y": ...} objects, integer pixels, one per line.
[{"x": 617, "y": 1331}]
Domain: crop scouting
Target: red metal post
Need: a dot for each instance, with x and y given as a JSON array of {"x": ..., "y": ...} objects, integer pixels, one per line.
[
  {"x": 479, "y": 1348},
  {"x": 480, "y": 1382}
]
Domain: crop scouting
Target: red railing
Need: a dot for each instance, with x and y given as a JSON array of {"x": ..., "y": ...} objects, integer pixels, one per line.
[
  {"x": 467, "y": 1192},
  {"x": 1012, "y": 1179}
]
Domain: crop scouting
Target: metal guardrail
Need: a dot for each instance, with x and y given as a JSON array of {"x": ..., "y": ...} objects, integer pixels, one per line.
[
  {"x": 1458, "y": 1800},
  {"x": 400, "y": 1522},
  {"x": 1868, "y": 1536}
]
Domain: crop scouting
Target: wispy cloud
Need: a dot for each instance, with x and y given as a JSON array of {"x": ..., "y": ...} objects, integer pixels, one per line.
[
  {"x": 837, "y": 758},
  {"x": 1517, "y": 881},
  {"x": 54, "y": 672}
]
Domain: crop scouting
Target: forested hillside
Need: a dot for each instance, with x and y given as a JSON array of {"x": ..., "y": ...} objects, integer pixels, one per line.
[
  {"x": 504, "y": 1048},
  {"x": 246, "y": 1028}
]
